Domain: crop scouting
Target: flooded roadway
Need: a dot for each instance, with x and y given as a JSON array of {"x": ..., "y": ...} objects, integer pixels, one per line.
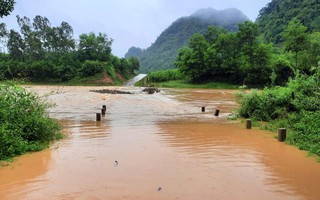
[{"x": 157, "y": 146}]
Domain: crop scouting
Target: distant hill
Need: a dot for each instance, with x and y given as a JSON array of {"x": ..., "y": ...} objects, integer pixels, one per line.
[
  {"x": 162, "y": 53},
  {"x": 275, "y": 17}
]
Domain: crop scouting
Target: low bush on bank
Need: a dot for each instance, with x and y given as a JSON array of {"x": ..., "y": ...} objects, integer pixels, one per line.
[
  {"x": 24, "y": 122},
  {"x": 165, "y": 75},
  {"x": 295, "y": 107}
]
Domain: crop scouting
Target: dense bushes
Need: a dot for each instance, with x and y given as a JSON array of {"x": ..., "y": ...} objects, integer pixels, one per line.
[
  {"x": 24, "y": 123},
  {"x": 296, "y": 107},
  {"x": 63, "y": 70},
  {"x": 91, "y": 68}
]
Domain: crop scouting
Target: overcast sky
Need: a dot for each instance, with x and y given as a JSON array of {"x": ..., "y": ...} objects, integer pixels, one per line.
[{"x": 129, "y": 22}]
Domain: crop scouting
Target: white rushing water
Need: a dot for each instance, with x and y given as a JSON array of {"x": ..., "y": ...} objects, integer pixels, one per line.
[{"x": 137, "y": 78}]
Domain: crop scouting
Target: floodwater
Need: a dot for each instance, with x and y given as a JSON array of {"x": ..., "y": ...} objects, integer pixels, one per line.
[{"x": 158, "y": 146}]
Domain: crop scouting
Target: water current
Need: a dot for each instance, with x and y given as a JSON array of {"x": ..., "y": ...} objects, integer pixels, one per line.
[{"x": 158, "y": 146}]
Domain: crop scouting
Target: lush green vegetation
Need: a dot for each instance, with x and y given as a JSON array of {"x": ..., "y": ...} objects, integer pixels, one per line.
[
  {"x": 40, "y": 52},
  {"x": 25, "y": 125},
  {"x": 293, "y": 26},
  {"x": 162, "y": 53},
  {"x": 289, "y": 71},
  {"x": 275, "y": 17},
  {"x": 165, "y": 75},
  {"x": 245, "y": 58},
  {"x": 295, "y": 106}
]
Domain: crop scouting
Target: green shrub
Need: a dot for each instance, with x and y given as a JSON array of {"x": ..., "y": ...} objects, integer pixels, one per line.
[
  {"x": 24, "y": 123},
  {"x": 91, "y": 68},
  {"x": 267, "y": 104},
  {"x": 295, "y": 107}
]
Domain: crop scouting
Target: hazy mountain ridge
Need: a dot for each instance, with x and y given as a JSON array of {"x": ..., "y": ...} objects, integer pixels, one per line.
[{"x": 162, "y": 53}]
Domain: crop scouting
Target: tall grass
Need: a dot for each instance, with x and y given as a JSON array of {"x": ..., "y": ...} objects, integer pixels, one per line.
[{"x": 24, "y": 123}]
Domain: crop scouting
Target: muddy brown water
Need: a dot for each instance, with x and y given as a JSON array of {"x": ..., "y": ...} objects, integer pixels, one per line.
[{"x": 165, "y": 148}]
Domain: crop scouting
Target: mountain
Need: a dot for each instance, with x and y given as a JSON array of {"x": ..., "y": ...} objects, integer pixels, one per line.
[
  {"x": 275, "y": 17},
  {"x": 162, "y": 53}
]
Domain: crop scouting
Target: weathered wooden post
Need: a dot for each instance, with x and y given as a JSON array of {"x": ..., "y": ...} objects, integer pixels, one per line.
[
  {"x": 216, "y": 113},
  {"x": 103, "y": 112},
  {"x": 203, "y": 109},
  {"x": 248, "y": 123},
  {"x": 98, "y": 117},
  {"x": 282, "y": 134}
]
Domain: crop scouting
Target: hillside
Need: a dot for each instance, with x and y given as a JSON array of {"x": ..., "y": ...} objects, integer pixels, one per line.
[
  {"x": 162, "y": 53},
  {"x": 275, "y": 17}
]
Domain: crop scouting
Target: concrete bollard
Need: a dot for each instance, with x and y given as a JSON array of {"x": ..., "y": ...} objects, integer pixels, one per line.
[
  {"x": 248, "y": 124},
  {"x": 103, "y": 112},
  {"x": 98, "y": 117},
  {"x": 216, "y": 113},
  {"x": 203, "y": 109},
  {"x": 282, "y": 134}
]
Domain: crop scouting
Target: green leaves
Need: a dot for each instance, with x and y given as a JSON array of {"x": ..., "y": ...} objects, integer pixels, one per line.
[
  {"x": 24, "y": 122},
  {"x": 229, "y": 57},
  {"x": 95, "y": 47},
  {"x": 6, "y": 7}
]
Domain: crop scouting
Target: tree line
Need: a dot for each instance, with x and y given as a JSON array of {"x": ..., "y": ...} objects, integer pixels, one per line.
[
  {"x": 246, "y": 58},
  {"x": 42, "y": 52}
]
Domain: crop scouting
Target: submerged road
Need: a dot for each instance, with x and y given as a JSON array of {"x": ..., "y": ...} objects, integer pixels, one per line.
[{"x": 158, "y": 146}]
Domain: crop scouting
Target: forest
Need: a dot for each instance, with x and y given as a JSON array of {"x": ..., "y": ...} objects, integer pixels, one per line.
[
  {"x": 40, "y": 52},
  {"x": 246, "y": 58}
]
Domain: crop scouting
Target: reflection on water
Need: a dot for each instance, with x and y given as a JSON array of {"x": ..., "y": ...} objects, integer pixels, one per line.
[{"x": 163, "y": 140}]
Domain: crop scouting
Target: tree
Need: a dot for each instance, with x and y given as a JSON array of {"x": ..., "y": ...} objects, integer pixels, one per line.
[
  {"x": 311, "y": 57},
  {"x": 6, "y": 7},
  {"x": 191, "y": 61},
  {"x": 32, "y": 40},
  {"x": 16, "y": 45},
  {"x": 133, "y": 64},
  {"x": 92, "y": 47},
  {"x": 3, "y": 35},
  {"x": 41, "y": 26},
  {"x": 213, "y": 33},
  {"x": 247, "y": 38},
  {"x": 65, "y": 37},
  {"x": 229, "y": 56},
  {"x": 182, "y": 60},
  {"x": 295, "y": 37}
]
